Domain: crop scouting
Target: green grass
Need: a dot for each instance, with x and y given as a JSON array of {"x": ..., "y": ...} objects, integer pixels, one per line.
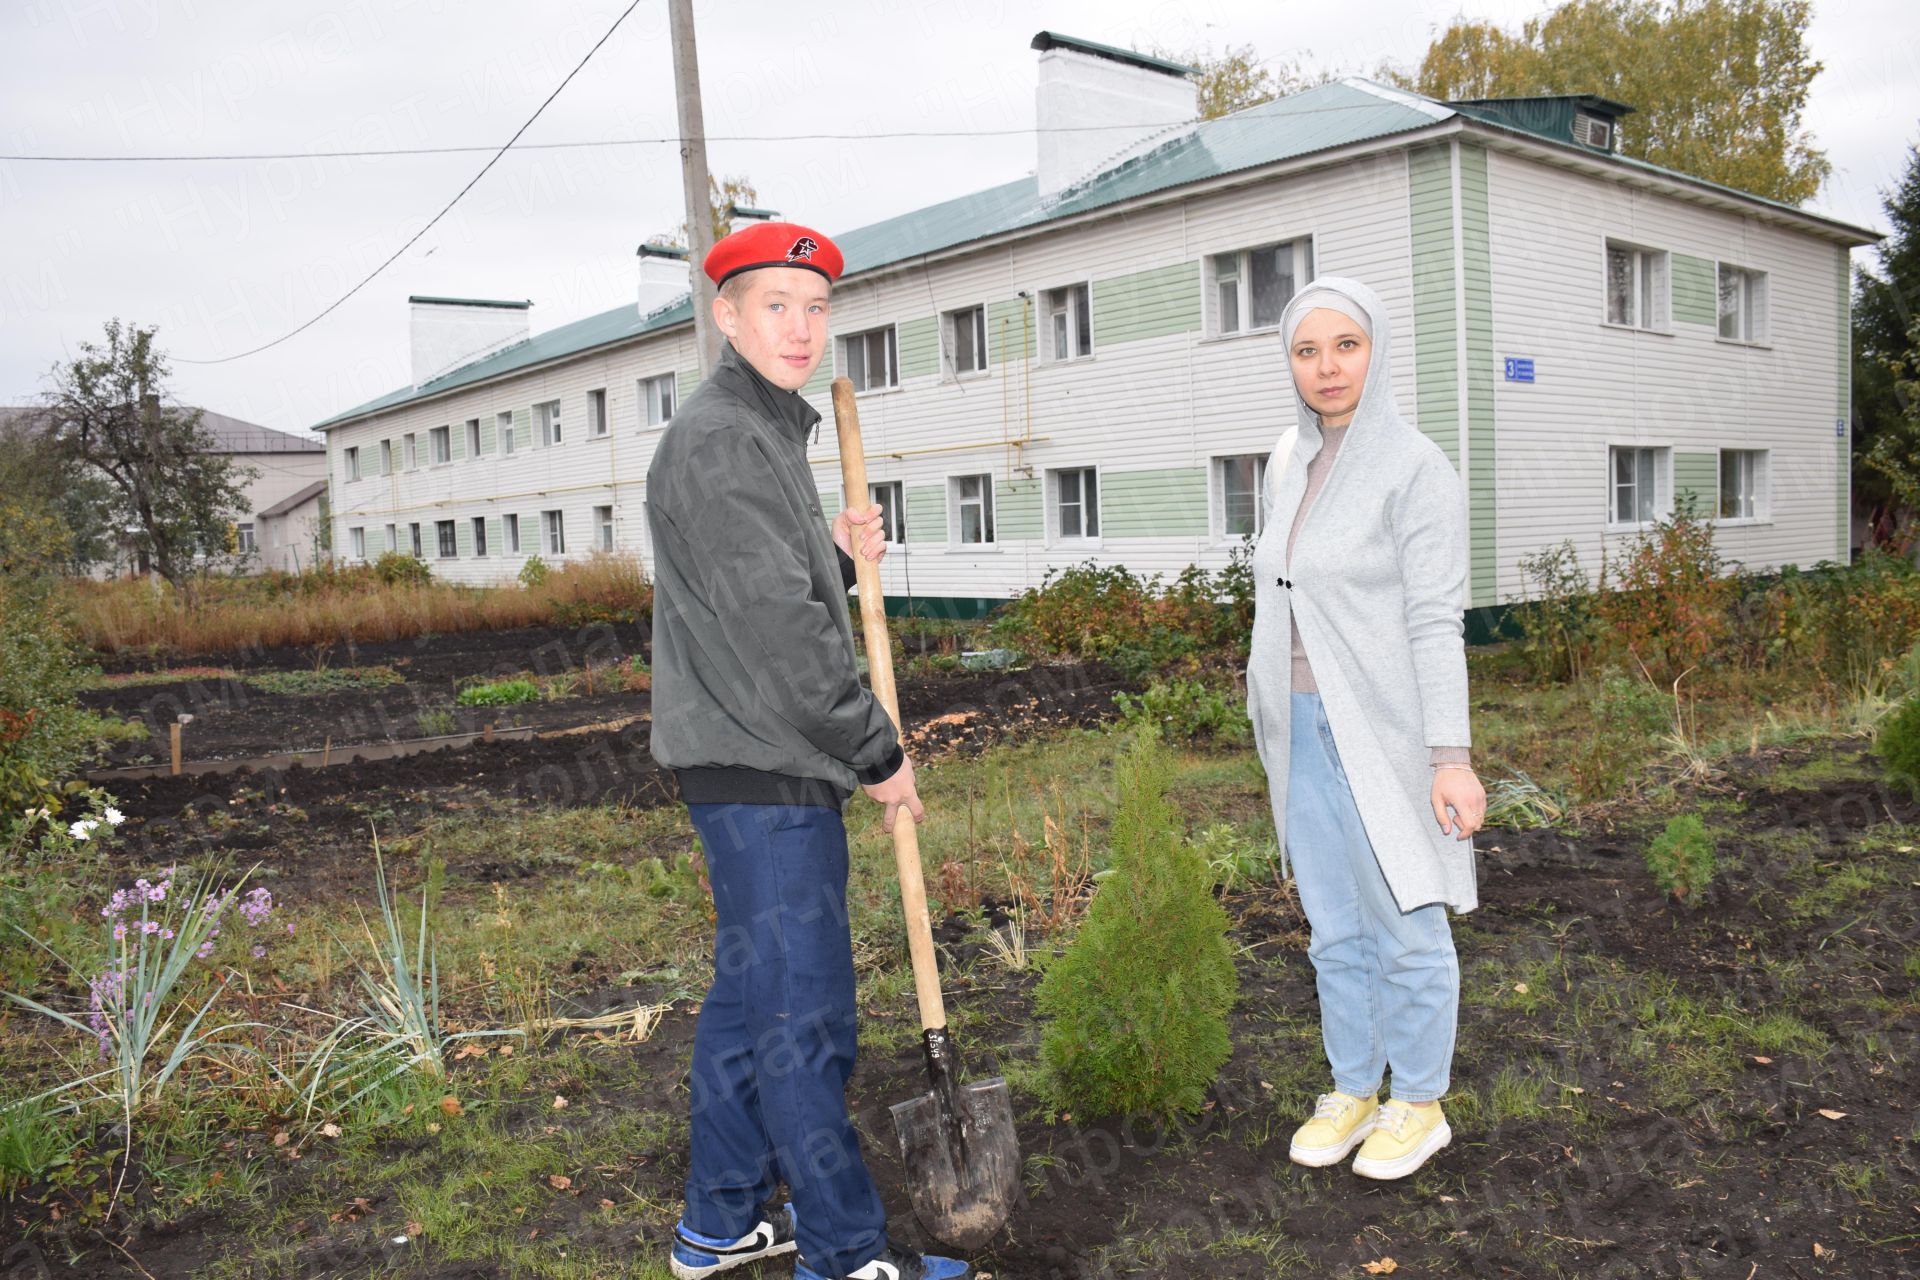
[
  {"x": 325, "y": 679},
  {"x": 499, "y": 693}
]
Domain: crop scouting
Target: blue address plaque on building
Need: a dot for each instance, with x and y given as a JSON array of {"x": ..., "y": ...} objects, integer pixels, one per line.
[{"x": 1519, "y": 368}]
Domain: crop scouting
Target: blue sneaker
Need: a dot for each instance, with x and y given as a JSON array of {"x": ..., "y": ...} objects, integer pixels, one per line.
[
  {"x": 895, "y": 1264},
  {"x": 695, "y": 1255}
]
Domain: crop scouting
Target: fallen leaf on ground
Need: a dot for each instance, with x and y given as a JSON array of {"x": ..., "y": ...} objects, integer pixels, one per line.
[
  {"x": 329, "y": 1130},
  {"x": 1520, "y": 987},
  {"x": 505, "y": 1051},
  {"x": 1831, "y": 1114},
  {"x": 1384, "y": 1267},
  {"x": 1821, "y": 1251},
  {"x": 471, "y": 1050},
  {"x": 433, "y": 1126},
  {"x": 1763, "y": 1059},
  {"x": 414, "y": 1228},
  {"x": 559, "y": 1103},
  {"x": 559, "y": 1181},
  {"x": 605, "y": 1203},
  {"x": 451, "y": 1105},
  {"x": 281, "y": 1138}
]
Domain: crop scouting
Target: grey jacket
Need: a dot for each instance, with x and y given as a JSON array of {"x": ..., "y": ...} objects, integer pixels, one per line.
[
  {"x": 1376, "y": 584},
  {"x": 756, "y": 698}
]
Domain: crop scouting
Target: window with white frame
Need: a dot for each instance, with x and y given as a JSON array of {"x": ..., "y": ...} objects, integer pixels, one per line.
[
  {"x": 1075, "y": 498},
  {"x": 503, "y": 428},
  {"x": 1636, "y": 286},
  {"x": 656, "y": 399},
  {"x": 1238, "y": 483},
  {"x": 447, "y": 543},
  {"x": 970, "y": 499},
  {"x": 412, "y": 451},
  {"x": 440, "y": 444},
  {"x": 963, "y": 341},
  {"x": 546, "y": 419},
  {"x": 597, "y": 412},
  {"x": 1069, "y": 322},
  {"x": 351, "y": 460},
  {"x": 1743, "y": 304},
  {"x": 243, "y": 543},
  {"x": 413, "y": 538},
  {"x": 1743, "y": 484},
  {"x": 871, "y": 359},
  {"x": 603, "y": 527},
  {"x": 1641, "y": 485},
  {"x": 556, "y": 530},
  {"x": 479, "y": 527},
  {"x": 892, "y": 497},
  {"x": 393, "y": 538},
  {"x": 1251, "y": 287},
  {"x": 357, "y": 542},
  {"x": 510, "y": 525},
  {"x": 473, "y": 437}
]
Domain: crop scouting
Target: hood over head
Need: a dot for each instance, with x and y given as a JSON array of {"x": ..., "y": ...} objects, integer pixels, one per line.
[{"x": 1350, "y": 298}]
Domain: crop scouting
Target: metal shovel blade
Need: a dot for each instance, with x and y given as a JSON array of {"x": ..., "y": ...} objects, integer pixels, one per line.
[{"x": 962, "y": 1166}]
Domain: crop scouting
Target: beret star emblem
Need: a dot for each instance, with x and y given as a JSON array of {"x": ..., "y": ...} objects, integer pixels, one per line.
[{"x": 803, "y": 250}]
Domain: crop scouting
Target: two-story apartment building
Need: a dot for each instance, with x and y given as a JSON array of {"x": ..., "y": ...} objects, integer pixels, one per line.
[{"x": 1085, "y": 363}]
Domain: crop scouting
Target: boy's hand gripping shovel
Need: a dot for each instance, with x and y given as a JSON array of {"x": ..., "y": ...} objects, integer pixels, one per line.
[{"x": 957, "y": 1141}]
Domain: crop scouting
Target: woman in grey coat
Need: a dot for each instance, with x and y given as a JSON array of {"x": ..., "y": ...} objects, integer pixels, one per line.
[{"x": 1357, "y": 688}]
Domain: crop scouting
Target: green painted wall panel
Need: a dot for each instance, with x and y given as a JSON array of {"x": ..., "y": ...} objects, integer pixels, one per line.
[
  {"x": 462, "y": 538},
  {"x": 927, "y": 513},
  {"x": 457, "y": 442},
  {"x": 1164, "y": 502},
  {"x": 685, "y": 381},
  {"x": 919, "y": 347},
  {"x": 1696, "y": 290},
  {"x": 1697, "y": 473},
  {"x": 1009, "y": 331},
  {"x": 1843, "y": 413},
  {"x": 496, "y": 536},
  {"x": 1476, "y": 271},
  {"x": 523, "y": 429},
  {"x": 1435, "y": 327},
  {"x": 489, "y": 433},
  {"x": 1147, "y": 304},
  {"x": 1016, "y": 509},
  {"x": 819, "y": 389}
]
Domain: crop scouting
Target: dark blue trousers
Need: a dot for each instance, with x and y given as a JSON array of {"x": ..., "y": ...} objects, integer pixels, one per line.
[{"x": 774, "y": 1045}]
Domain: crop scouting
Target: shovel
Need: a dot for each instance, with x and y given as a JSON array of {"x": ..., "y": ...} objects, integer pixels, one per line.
[{"x": 957, "y": 1141}]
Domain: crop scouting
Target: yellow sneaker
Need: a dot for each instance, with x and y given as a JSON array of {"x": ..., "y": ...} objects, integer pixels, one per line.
[
  {"x": 1404, "y": 1137},
  {"x": 1340, "y": 1122}
]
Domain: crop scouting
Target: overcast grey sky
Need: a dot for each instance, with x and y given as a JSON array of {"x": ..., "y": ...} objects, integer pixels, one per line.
[{"x": 225, "y": 256}]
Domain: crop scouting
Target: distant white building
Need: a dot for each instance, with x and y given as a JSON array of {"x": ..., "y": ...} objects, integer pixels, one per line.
[
  {"x": 1084, "y": 363},
  {"x": 282, "y": 492}
]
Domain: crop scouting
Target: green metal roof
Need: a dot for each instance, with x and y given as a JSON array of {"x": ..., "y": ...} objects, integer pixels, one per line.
[
  {"x": 1336, "y": 114},
  {"x": 470, "y": 302},
  {"x": 1054, "y": 40}
]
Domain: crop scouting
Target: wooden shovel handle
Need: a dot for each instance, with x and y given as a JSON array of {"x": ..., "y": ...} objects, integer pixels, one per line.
[{"x": 873, "y": 622}]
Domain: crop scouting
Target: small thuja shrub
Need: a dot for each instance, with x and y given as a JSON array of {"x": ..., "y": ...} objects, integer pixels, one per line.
[
  {"x": 1898, "y": 746},
  {"x": 1136, "y": 1010},
  {"x": 1681, "y": 857}
]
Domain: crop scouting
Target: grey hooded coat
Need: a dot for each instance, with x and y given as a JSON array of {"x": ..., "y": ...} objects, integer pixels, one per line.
[{"x": 1376, "y": 585}]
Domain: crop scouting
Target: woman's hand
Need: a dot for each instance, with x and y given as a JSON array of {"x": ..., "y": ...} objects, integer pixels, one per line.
[{"x": 1460, "y": 789}]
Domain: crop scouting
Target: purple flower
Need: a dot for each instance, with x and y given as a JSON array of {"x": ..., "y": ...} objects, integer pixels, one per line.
[
  {"x": 258, "y": 951},
  {"x": 120, "y": 931},
  {"x": 205, "y": 949},
  {"x": 257, "y": 907}
]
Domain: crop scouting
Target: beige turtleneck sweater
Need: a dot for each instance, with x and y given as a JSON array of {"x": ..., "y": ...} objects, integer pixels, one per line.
[{"x": 1317, "y": 469}]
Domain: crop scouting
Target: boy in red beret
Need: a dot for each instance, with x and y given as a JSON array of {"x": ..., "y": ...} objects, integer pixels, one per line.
[{"x": 759, "y": 711}]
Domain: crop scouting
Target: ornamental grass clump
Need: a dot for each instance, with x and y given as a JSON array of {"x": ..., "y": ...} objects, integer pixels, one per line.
[
  {"x": 1898, "y": 746},
  {"x": 1136, "y": 1009}
]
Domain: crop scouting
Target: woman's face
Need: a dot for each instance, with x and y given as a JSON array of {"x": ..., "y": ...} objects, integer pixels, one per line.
[{"x": 1329, "y": 354}]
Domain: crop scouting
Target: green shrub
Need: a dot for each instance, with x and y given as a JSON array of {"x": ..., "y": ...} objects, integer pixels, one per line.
[
  {"x": 533, "y": 572},
  {"x": 325, "y": 680},
  {"x": 1628, "y": 715},
  {"x": 1898, "y": 746},
  {"x": 1665, "y": 602},
  {"x": 1136, "y": 1010},
  {"x": 1555, "y": 630},
  {"x": 436, "y": 722},
  {"x": 44, "y": 735},
  {"x": 398, "y": 569},
  {"x": 36, "y": 1137},
  {"x": 1681, "y": 857},
  {"x": 499, "y": 693},
  {"x": 1848, "y": 623},
  {"x": 1187, "y": 710}
]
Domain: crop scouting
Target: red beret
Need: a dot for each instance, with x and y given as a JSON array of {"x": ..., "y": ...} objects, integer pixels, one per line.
[{"x": 773, "y": 244}]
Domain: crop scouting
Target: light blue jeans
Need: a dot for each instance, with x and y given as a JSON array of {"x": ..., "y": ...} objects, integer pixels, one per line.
[{"x": 1389, "y": 980}]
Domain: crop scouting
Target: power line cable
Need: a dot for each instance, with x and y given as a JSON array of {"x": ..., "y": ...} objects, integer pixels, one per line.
[
  {"x": 443, "y": 212},
  {"x": 377, "y": 153}
]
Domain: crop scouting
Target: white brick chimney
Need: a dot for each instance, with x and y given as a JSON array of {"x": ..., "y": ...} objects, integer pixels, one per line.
[
  {"x": 663, "y": 276},
  {"x": 1097, "y": 105},
  {"x": 450, "y": 332}
]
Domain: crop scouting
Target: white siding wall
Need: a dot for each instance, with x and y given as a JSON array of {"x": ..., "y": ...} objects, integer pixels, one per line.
[{"x": 1687, "y": 389}]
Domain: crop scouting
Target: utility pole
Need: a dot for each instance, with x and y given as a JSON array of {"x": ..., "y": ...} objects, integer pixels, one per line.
[{"x": 693, "y": 171}]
